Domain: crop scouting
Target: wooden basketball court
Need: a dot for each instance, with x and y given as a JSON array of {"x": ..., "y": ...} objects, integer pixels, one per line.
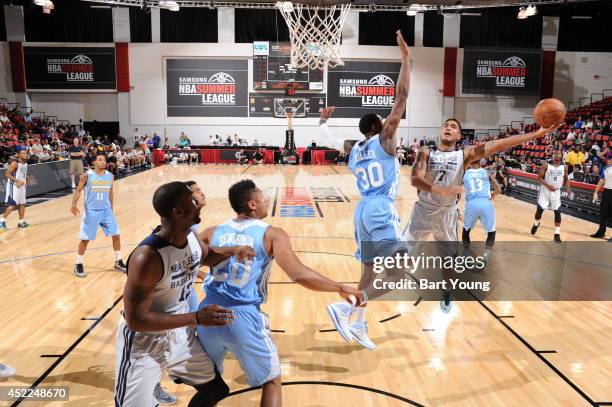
[{"x": 58, "y": 329}]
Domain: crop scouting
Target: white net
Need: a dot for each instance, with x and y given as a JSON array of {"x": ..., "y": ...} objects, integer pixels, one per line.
[{"x": 315, "y": 33}]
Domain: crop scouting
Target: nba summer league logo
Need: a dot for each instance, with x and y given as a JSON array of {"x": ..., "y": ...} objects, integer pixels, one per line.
[
  {"x": 78, "y": 69},
  {"x": 378, "y": 91},
  {"x": 218, "y": 89},
  {"x": 510, "y": 73}
]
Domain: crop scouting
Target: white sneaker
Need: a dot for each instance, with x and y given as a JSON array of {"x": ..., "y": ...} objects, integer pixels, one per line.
[
  {"x": 339, "y": 313},
  {"x": 6, "y": 370},
  {"x": 162, "y": 396},
  {"x": 360, "y": 334}
]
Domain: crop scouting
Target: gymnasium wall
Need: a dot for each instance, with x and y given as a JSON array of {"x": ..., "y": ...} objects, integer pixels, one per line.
[
  {"x": 575, "y": 71},
  {"x": 102, "y": 107},
  {"x": 148, "y": 95},
  {"x": 6, "y": 83}
]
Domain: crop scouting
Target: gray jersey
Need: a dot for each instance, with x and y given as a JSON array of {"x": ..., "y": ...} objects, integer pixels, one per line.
[
  {"x": 180, "y": 270},
  {"x": 444, "y": 168}
]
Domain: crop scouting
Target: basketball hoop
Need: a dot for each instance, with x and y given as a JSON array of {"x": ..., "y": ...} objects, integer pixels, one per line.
[{"x": 315, "y": 32}]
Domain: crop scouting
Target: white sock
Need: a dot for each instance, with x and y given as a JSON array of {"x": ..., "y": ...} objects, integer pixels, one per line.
[
  {"x": 79, "y": 259},
  {"x": 21, "y": 220},
  {"x": 360, "y": 312},
  {"x": 536, "y": 223},
  {"x": 2, "y": 219},
  {"x": 117, "y": 255},
  {"x": 557, "y": 230}
]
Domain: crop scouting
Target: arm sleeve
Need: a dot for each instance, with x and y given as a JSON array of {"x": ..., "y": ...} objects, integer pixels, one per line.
[{"x": 327, "y": 138}]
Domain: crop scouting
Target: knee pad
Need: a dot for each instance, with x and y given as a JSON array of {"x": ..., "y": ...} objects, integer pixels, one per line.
[
  {"x": 465, "y": 237},
  {"x": 490, "y": 239},
  {"x": 557, "y": 216},
  {"x": 539, "y": 212},
  {"x": 209, "y": 393}
]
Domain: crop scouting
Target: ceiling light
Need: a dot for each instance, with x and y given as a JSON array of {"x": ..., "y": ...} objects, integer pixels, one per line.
[
  {"x": 169, "y": 5},
  {"x": 522, "y": 14},
  {"x": 531, "y": 11},
  {"x": 411, "y": 13}
]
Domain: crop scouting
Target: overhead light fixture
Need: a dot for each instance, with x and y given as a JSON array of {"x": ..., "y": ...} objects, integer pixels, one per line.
[
  {"x": 169, "y": 5},
  {"x": 531, "y": 11},
  {"x": 522, "y": 14},
  {"x": 287, "y": 6},
  {"x": 411, "y": 13}
]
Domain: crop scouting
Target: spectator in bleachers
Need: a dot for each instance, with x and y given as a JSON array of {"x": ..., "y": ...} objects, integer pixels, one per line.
[
  {"x": 258, "y": 157},
  {"x": 155, "y": 141},
  {"x": 572, "y": 158},
  {"x": 593, "y": 176},
  {"x": 577, "y": 174},
  {"x": 501, "y": 176},
  {"x": 184, "y": 141},
  {"x": 166, "y": 144},
  {"x": 136, "y": 134},
  {"x": 579, "y": 123}
]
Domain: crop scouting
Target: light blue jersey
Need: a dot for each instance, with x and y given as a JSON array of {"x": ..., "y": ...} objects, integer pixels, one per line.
[
  {"x": 240, "y": 283},
  {"x": 241, "y": 287},
  {"x": 376, "y": 171},
  {"x": 478, "y": 204},
  {"x": 97, "y": 191},
  {"x": 376, "y": 219},
  {"x": 477, "y": 184}
]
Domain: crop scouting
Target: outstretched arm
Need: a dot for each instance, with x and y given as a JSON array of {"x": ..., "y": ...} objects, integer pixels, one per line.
[
  {"x": 387, "y": 135},
  {"x": 298, "y": 272},
  {"x": 329, "y": 138},
  {"x": 495, "y": 146}
]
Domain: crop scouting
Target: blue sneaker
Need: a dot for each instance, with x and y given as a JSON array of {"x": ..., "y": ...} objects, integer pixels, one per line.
[
  {"x": 162, "y": 396},
  {"x": 339, "y": 313},
  {"x": 23, "y": 224},
  {"x": 446, "y": 304},
  {"x": 2, "y": 224},
  {"x": 360, "y": 334}
]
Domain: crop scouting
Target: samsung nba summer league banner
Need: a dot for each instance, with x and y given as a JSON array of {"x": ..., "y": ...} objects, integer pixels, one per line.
[
  {"x": 501, "y": 72},
  {"x": 70, "y": 68},
  {"x": 361, "y": 87},
  {"x": 207, "y": 87}
]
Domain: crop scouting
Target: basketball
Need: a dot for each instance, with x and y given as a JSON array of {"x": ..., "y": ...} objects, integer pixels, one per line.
[{"x": 549, "y": 112}]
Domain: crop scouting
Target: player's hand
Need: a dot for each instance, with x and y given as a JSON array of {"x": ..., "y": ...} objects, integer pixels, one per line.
[
  {"x": 551, "y": 188},
  {"x": 74, "y": 210},
  {"x": 402, "y": 44},
  {"x": 19, "y": 183},
  {"x": 326, "y": 112},
  {"x": 214, "y": 315},
  {"x": 446, "y": 191},
  {"x": 346, "y": 291},
  {"x": 243, "y": 253},
  {"x": 595, "y": 197},
  {"x": 544, "y": 131}
]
